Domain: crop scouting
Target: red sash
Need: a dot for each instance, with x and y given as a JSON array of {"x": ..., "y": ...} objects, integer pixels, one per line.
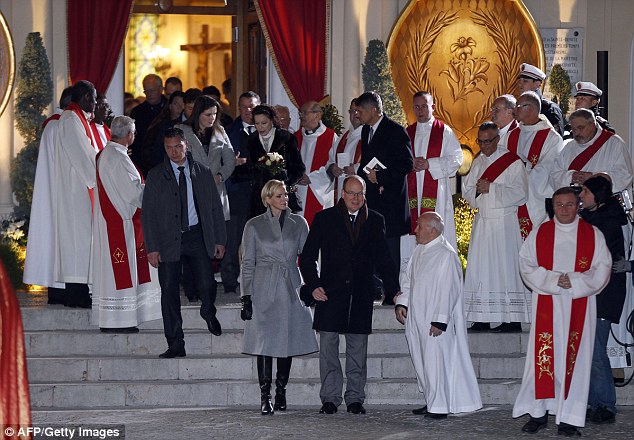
[
  {"x": 544, "y": 336},
  {"x": 117, "y": 244},
  {"x": 53, "y": 117},
  {"x": 97, "y": 136},
  {"x": 73, "y": 107},
  {"x": 430, "y": 185},
  {"x": 320, "y": 159},
  {"x": 513, "y": 125},
  {"x": 343, "y": 143},
  {"x": 582, "y": 159}
]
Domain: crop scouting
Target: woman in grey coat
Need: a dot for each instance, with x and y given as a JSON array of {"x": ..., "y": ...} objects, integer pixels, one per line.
[
  {"x": 210, "y": 145},
  {"x": 278, "y": 325}
]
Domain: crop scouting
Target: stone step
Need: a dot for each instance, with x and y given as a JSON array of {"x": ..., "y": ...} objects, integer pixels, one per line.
[
  {"x": 207, "y": 393},
  {"x": 230, "y": 367},
  {"x": 201, "y": 342}
]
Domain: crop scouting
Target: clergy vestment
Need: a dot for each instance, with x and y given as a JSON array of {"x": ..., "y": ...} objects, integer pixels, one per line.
[
  {"x": 350, "y": 144},
  {"x": 40, "y": 248},
  {"x": 565, "y": 259},
  {"x": 122, "y": 297},
  {"x": 540, "y": 186},
  {"x": 504, "y": 131},
  {"x": 74, "y": 159},
  {"x": 316, "y": 151},
  {"x": 100, "y": 134},
  {"x": 441, "y": 168},
  {"x": 494, "y": 291},
  {"x": 432, "y": 292}
]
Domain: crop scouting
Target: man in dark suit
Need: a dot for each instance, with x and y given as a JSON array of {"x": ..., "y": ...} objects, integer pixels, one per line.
[
  {"x": 351, "y": 241},
  {"x": 239, "y": 187},
  {"x": 387, "y": 141},
  {"x": 182, "y": 221}
]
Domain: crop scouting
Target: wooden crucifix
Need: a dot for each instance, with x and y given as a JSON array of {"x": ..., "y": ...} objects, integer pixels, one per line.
[{"x": 202, "y": 51}]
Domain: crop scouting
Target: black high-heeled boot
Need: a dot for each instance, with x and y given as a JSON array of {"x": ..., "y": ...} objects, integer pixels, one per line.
[
  {"x": 283, "y": 372},
  {"x": 265, "y": 377}
]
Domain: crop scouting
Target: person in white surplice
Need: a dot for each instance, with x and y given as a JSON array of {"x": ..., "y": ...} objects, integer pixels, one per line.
[
  {"x": 126, "y": 290},
  {"x": 496, "y": 186},
  {"x": 432, "y": 309},
  {"x": 40, "y": 249},
  {"x": 565, "y": 262}
]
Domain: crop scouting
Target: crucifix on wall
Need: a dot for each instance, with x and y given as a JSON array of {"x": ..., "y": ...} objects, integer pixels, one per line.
[{"x": 202, "y": 51}]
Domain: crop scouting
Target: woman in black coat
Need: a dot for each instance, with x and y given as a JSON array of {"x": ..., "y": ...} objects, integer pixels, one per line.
[
  {"x": 269, "y": 138},
  {"x": 603, "y": 210}
]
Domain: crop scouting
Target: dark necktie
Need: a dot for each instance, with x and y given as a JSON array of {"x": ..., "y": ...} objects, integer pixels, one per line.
[
  {"x": 352, "y": 217},
  {"x": 250, "y": 129},
  {"x": 370, "y": 134},
  {"x": 182, "y": 189}
]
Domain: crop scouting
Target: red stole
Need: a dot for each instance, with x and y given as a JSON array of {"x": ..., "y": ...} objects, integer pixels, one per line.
[
  {"x": 494, "y": 170},
  {"x": 430, "y": 185},
  {"x": 534, "y": 153},
  {"x": 320, "y": 159},
  {"x": 53, "y": 117},
  {"x": 582, "y": 159},
  {"x": 117, "y": 244},
  {"x": 97, "y": 136},
  {"x": 343, "y": 143},
  {"x": 544, "y": 342},
  {"x": 73, "y": 107}
]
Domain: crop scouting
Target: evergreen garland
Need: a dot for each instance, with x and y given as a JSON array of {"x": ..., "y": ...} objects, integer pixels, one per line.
[
  {"x": 377, "y": 76},
  {"x": 559, "y": 83},
  {"x": 34, "y": 91},
  {"x": 332, "y": 119}
]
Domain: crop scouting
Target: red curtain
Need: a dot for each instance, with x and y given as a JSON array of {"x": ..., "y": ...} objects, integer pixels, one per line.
[
  {"x": 296, "y": 33},
  {"x": 96, "y": 29}
]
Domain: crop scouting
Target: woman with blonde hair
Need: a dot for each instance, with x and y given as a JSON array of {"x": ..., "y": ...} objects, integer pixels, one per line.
[{"x": 277, "y": 324}]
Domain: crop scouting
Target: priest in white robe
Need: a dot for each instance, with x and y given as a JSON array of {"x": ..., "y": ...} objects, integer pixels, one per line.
[
  {"x": 565, "y": 262},
  {"x": 502, "y": 111},
  {"x": 40, "y": 248},
  {"x": 437, "y": 157},
  {"x": 126, "y": 291},
  {"x": 74, "y": 159},
  {"x": 316, "y": 143},
  {"x": 432, "y": 309},
  {"x": 496, "y": 186},
  {"x": 537, "y": 144}
]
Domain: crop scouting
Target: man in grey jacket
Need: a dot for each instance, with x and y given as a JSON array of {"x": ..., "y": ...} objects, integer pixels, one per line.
[{"x": 182, "y": 221}]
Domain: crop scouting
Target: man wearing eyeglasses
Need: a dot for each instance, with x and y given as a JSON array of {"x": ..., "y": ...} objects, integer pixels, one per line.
[
  {"x": 565, "y": 262},
  {"x": 316, "y": 145},
  {"x": 530, "y": 79},
  {"x": 502, "y": 115},
  {"x": 349, "y": 241},
  {"x": 496, "y": 186}
]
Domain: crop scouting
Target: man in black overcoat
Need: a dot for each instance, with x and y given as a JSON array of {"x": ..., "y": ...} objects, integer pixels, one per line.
[{"x": 351, "y": 240}]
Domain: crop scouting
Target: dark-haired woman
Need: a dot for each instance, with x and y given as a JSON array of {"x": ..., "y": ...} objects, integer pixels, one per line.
[{"x": 270, "y": 138}]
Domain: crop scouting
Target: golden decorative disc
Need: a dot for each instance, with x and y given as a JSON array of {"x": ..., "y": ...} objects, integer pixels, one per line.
[
  {"x": 466, "y": 53},
  {"x": 7, "y": 63}
]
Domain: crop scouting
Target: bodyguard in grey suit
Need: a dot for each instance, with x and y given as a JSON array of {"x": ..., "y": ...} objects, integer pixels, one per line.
[
  {"x": 278, "y": 325},
  {"x": 182, "y": 221}
]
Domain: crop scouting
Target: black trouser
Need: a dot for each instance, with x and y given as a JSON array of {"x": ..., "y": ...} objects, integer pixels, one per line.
[
  {"x": 394, "y": 248},
  {"x": 77, "y": 295},
  {"x": 194, "y": 252}
]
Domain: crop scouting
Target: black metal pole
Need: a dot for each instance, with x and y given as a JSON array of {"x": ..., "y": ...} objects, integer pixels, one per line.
[{"x": 602, "y": 81}]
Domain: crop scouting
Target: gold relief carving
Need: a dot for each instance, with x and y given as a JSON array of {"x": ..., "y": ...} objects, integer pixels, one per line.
[
  {"x": 544, "y": 359},
  {"x": 466, "y": 53},
  {"x": 7, "y": 63}
]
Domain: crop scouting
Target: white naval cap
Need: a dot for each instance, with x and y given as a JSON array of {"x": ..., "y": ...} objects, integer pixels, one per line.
[
  {"x": 529, "y": 71},
  {"x": 586, "y": 88}
]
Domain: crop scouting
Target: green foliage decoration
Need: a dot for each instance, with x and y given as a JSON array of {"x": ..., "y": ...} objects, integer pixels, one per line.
[
  {"x": 34, "y": 92},
  {"x": 377, "y": 77},
  {"x": 332, "y": 119},
  {"x": 463, "y": 216},
  {"x": 560, "y": 87}
]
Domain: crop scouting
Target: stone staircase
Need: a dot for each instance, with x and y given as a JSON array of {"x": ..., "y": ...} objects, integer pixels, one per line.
[{"x": 72, "y": 365}]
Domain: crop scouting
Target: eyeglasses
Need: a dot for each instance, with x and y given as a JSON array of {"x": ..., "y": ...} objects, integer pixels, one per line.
[
  {"x": 569, "y": 205},
  {"x": 354, "y": 194},
  {"x": 487, "y": 141},
  {"x": 302, "y": 114},
  {"x": 146, "y": 91},
  {"x": 522, "y": 105}
]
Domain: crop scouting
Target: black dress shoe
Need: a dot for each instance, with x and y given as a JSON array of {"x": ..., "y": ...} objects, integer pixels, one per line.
[
  {"x": 533, "y": 425},
  {"x": 119, "y": 330},
  {"x": 602, "y": 415},
  {"x": 479, "y": 327},
  {"x": 169, "y": 353},
  {"x": 436, "y": 416},
  {"x": 356, "y": 408},
  {"x": 568, "y": 430},
  {"x": 328, "y": 408},
  {"x": 214, "y": 326},
  {"x": 508, "y": 327},
  {"x": 420, "y": 411}
]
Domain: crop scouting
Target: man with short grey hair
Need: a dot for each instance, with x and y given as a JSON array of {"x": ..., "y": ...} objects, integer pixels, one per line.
[
  {"x": 125, "y": 291},
  {"x": 502, "y": 114}
]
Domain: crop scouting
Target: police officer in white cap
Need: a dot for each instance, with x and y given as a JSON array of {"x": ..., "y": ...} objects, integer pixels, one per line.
[
  {"x": 587, "y": 95},
  {"x": 530, "y": 79}
]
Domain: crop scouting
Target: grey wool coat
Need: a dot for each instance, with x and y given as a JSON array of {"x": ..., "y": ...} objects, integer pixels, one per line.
[{"x": 281, "y": 325}]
